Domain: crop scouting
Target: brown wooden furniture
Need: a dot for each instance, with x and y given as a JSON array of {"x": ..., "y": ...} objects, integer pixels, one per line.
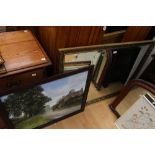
[
  {"x": 113, "y": 37},
  {"x": 33, "y": 29},
  {"x": 54, "y": 37},
  {"x": 136, "y": 33},
  {"x": 140, "y": 83},
  {"x": 115, "y": 34},
  {"x": 25, "y": 60}
]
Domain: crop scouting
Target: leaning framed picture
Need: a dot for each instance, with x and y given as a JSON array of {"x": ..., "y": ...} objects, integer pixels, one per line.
[{"x": 46, "y": 102}]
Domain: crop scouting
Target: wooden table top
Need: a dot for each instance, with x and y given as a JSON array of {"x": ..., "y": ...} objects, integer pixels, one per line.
[{"x": 21, "y": 51}]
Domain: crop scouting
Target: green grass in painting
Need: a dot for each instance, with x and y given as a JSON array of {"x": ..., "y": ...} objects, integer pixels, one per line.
[{"x": 32, "y": 122}]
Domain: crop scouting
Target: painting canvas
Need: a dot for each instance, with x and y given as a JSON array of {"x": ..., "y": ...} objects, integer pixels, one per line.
[{"x": 46, "y": 102}]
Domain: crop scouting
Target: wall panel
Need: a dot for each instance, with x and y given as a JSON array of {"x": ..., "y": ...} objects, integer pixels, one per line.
[{"x": 54, "y": 37}]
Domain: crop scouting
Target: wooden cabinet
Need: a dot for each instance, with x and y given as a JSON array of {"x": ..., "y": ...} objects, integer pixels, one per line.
[
  {"x": 115, "y": 34},
  {"x": 136, "y": 33},
  {"x": 25, "y": 60},
  {"x": 54, "y": 37},
  {"x": 22, "y": 79}
]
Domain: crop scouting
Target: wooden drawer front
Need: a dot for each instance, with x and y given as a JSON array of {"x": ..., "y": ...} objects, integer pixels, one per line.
[
  {"x": 2, "y": 124},
  {"x": 21, "y": 80}
]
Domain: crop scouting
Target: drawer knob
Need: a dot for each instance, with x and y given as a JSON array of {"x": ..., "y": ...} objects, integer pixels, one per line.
[
  {"x": 34, "y": 74},
  {"x": 43, "y": 59}
]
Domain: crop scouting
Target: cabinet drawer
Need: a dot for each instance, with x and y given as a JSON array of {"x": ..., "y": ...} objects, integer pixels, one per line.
[{"x": 21, "y": 80}]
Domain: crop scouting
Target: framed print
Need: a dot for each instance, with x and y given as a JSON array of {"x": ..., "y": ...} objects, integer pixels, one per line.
[
  {"x": 140, "y": 115},
  {"x": 46, "y": 102}
]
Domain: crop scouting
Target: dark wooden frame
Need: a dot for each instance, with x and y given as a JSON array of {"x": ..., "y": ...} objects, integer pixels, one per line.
[
  {"x": 140, "y": 83},
  {"x": 100, "y": 48},
  {"x": 87, "y": 63},
  {"x": 4, "y": 114}
]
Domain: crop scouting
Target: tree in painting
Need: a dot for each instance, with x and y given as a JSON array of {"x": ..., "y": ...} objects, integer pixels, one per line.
[{"x": 28, "y": 103}]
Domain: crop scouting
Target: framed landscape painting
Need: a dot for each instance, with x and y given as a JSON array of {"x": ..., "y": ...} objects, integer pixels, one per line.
[{"x": 47, "y": 102}]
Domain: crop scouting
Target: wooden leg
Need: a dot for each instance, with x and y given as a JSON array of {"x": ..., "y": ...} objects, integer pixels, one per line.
[
  {"x": 134, "y": 83},
  {"x": 114, "y": 110}
]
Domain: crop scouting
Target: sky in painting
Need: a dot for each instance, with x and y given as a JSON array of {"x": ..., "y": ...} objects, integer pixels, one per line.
[{"x": 61, "y": 87}]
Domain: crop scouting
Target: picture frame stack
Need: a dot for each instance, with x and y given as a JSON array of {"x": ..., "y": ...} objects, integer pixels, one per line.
[{"x": 108, "y": 59}]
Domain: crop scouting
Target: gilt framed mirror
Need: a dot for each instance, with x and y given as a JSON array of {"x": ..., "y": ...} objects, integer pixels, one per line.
[{"x": 114, "y": 64}]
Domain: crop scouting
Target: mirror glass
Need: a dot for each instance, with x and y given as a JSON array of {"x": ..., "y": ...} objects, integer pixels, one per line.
[{"x": 98, "y": 58}]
